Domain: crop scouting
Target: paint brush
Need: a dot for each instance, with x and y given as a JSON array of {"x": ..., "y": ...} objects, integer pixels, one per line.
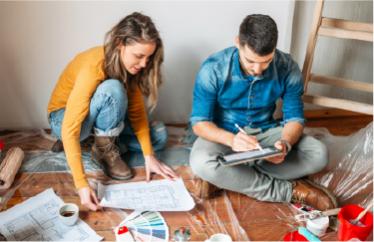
[{"x": 361, "y": 215}]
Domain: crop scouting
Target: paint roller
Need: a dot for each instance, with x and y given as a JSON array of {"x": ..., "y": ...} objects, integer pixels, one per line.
[{"x": 9, "y": 167}]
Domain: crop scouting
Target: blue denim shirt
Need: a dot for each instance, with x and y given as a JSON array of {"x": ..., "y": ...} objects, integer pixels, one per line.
[{"x": 223, "y": 94}]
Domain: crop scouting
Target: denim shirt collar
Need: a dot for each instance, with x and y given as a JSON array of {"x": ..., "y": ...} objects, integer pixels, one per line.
[{"x": 237, "y": 70}]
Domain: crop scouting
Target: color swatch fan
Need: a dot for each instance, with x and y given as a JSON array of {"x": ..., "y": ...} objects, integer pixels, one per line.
[{"x": 146, "y": 226}]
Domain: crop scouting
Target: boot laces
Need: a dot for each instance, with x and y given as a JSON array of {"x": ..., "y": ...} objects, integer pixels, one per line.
[
  {"x": 299, "y": 198},
  {"x": 111, "y": 150}
]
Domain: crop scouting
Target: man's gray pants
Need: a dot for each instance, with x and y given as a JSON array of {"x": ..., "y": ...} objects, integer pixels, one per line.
[{"x": 263, "y": 180}]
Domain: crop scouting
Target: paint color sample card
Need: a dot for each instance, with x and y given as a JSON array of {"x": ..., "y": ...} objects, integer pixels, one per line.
[{"x": 147, "y": 226}]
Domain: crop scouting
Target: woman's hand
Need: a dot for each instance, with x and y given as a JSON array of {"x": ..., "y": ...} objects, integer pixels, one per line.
[
  {"x": 88, "y": 198},
  {"x": 153, "y": 165}
]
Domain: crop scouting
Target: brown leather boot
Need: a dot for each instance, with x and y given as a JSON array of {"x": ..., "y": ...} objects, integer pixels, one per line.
[
  {"x": 206, "y": 190},
  {"x": 106, "y": 152},
  {"x": 311, "y": 194}
]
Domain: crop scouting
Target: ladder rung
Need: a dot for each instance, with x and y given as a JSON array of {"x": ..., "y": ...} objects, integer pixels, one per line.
[
  {"x": 339, "y": 103},
  {"x": 340, "y": 82},
  {"x": 347, "y": 25},
  {"x": 345, "y": 34}
]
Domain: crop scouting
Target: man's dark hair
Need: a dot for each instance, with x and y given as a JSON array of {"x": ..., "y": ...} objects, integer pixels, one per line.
[{"x": 259, "y": 32}]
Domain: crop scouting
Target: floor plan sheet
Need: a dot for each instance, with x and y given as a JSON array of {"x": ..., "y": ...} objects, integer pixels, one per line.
[
  {"x": 36, "y": 219},
  {"x": 159, "y": 195}
]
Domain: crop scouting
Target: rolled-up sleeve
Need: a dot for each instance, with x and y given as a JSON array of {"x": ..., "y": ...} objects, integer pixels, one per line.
[
  {"x": 293, "y": 106},
  {"x": 204, "y": 94}
]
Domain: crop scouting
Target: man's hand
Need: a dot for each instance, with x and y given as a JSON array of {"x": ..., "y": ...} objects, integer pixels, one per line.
[
  {"x": 152, "y": 165},
  {"x": 280, "y": 158},
  {"x": 244, "y": 142},
  {"x": 88, "y": 198}
]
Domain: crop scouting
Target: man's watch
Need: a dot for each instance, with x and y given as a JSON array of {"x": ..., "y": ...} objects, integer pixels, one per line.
[{"x": 288, "y": 145}]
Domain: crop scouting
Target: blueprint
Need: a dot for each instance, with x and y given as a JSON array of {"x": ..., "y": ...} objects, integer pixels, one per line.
[
  {"x": 159, "y": 195},
  {"x": 36, "y": 219}
]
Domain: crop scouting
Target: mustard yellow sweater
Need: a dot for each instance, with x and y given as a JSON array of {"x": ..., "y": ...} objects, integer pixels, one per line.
[{"x": 73, "y": 92}]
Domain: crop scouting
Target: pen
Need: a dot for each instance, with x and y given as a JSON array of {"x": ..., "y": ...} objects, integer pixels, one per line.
[{"x": 242, "y": 131}]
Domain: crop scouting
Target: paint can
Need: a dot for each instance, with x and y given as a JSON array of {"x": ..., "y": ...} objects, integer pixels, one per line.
[{"x": 318, "y": 226}]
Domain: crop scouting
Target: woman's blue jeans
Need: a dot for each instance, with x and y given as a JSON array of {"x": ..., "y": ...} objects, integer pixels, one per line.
[{"x": 107, "y": 117}]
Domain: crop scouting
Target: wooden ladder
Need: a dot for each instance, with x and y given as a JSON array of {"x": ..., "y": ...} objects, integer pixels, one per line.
[{"x": 336, "y": 28}]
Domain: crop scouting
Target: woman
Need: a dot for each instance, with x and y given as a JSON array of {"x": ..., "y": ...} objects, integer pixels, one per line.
[{"x": 102, "y": 89}]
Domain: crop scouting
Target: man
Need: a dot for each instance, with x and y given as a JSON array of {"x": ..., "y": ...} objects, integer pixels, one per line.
[{"x": 240, "y": 85}]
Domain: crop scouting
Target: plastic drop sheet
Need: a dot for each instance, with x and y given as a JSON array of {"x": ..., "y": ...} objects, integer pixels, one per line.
[
  {"x": 349, "y": 175},
  {"x": 43, "y": 169}
]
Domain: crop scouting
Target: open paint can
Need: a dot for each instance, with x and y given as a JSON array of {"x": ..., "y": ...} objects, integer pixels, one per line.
[{"x": 318, "y": 226}]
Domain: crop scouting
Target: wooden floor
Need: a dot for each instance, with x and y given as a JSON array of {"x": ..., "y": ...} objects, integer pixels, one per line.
[
  {"x": 337, "y": 122},
  {"x": 259, "y": 220}
]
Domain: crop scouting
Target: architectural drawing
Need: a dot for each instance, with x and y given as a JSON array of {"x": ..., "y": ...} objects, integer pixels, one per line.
[
  {"x": 36, "y": 219},
  {"x": 160, "y": 195},
  {"x": 157, "y": 196}
]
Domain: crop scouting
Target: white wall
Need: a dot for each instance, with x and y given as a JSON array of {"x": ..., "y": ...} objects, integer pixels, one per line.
[
  {"x": 39, "y": 38},
  {"x": 350, "y": 59}
]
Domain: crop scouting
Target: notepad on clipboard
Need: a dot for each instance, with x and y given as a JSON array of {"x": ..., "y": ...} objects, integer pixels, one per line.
[{"x": 248, "y": 156}]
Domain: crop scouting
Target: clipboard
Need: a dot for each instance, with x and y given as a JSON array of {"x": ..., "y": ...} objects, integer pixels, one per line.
[{"x": 248, "y": 156}]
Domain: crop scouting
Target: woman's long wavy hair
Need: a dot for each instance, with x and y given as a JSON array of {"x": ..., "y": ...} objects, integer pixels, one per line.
[{"x": 135, "y": 28}]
